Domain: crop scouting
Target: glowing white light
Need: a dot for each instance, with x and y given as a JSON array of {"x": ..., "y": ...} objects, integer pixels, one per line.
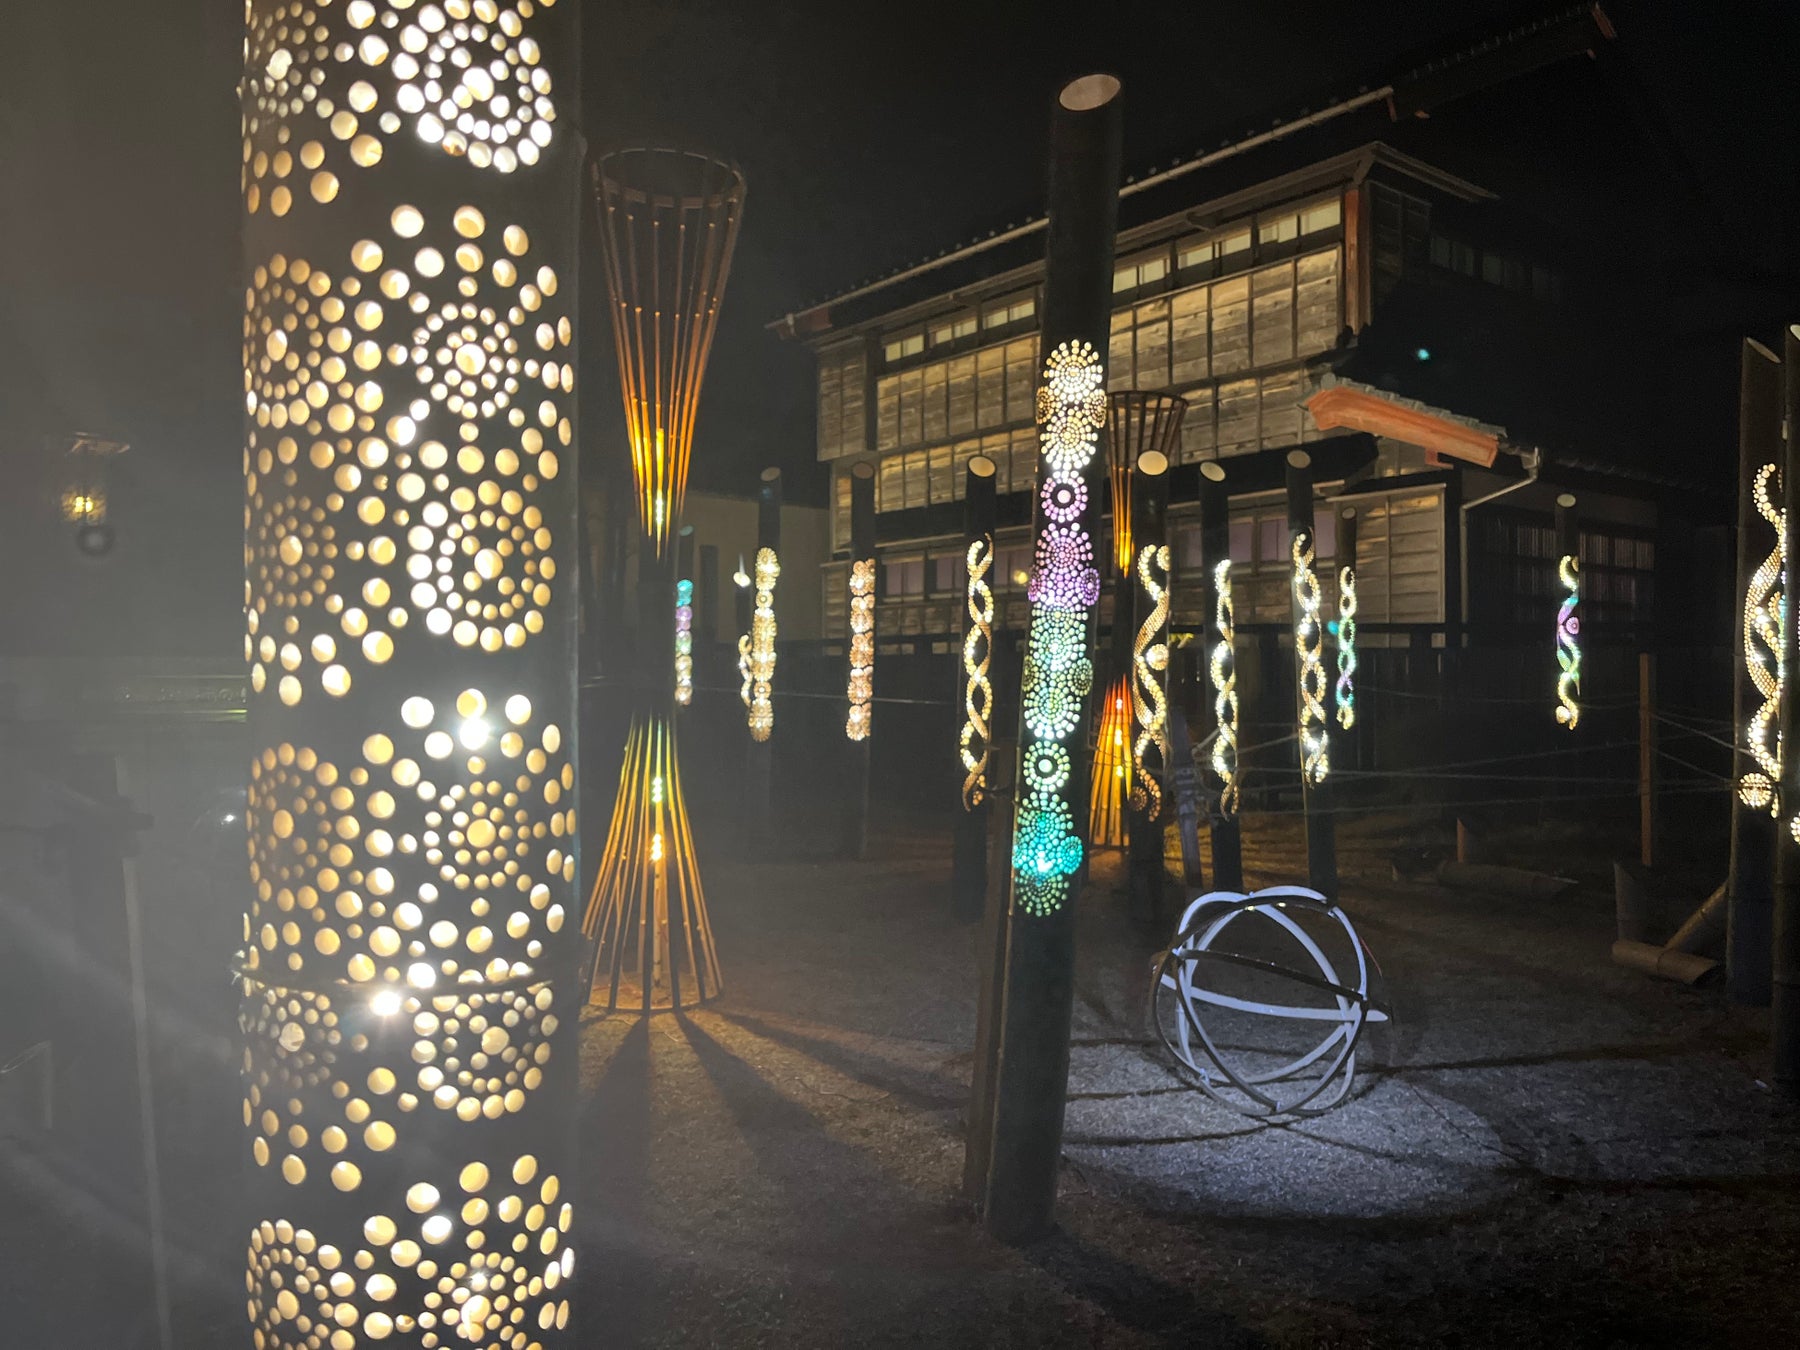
[
  {"x": 756, "y": 649},
  {"x": 1225, "y": 698},
  {"x": 385, "y": 1004},
  {"x": 1309, "y": 644},
  {"x": 978, "y": 694},
  {"x": 1150, "y": 705},
  {"x": 1346, "y": 682},
  {"x": 1568, "y": 644},
  {"x": 862, "y": 650}
]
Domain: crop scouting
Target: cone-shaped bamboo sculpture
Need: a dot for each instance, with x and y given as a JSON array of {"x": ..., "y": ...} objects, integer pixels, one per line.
[
  {"x": 410, "y": 189},
  {"x": 668, "y": 225}
]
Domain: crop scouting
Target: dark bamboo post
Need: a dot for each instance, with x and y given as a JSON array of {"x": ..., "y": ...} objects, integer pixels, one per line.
[
  {"x": 1749, "y": 886},
  {"x": 1037, "y": 993},
  {"x": 860, "y": 657},
  {"x": 1221, "y": 666},
  {"x": 1152, "y": 587},
  {"x": 969, "y": 868},
  {"x": 1311, "y": 684},
  {"x": 1784, "y": 1019}
]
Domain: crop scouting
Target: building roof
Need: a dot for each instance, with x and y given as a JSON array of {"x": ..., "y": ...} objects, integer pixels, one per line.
[{"x": 1562, "y": 32}]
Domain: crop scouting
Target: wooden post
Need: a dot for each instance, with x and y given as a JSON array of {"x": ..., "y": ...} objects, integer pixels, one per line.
[
  {"x": 1151, "y": 788},
  {"x": 1749, "y": 887},
  {"x": 1312, "y": 686},
  {"x": 1784, "y": 989},
  {"x": 1219, "y": 659},
  {"x": 975, "y": 694},
  {"x": 1647, "y": 759},
  {"x": 859, "y": 724},
  {"x": 1038, "y": 991}
]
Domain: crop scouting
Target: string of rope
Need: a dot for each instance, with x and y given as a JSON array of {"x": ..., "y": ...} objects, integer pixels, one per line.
[
  {"x": 1385, "y": 808},
  {"x": 1695, "y": 768},
  {"x": 1587, "y": 705}
]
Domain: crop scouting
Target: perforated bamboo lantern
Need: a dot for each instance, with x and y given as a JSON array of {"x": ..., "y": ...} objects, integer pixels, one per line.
[{"x": 410, "y": 180}]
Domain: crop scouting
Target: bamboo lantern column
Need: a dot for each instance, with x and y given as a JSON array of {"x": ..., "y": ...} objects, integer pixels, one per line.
[
  {"x": 1761, "y": 549},
  {"x": 1221, "y": 666},
  {"x": 756, "y": 668},
  {"x": 668, "y": 227},
  {"x": 1137, "y": 423},
  {"x": 1784, "y": 1006},
  {"x": 969, "y": 867},
  {"x": 1312, "y": 686},
  {"x": 409, "y": 977},
  {"x": 1346, "y": 643},
  {"x": 859, "y": 722},
  {"x": 1568, "y": 615},
  {"x": 1023, "y": 1143},
  {"x": 1150, "y": 681}
]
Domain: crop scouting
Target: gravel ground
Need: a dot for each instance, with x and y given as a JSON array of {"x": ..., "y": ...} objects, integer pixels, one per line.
[{"x": 1544, "y": 1150}]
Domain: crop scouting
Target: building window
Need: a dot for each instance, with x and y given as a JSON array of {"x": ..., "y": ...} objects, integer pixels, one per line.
[
  {"x": 1214, "y": 250},
  {"x": 1325, "y": 216},
  {"x": 843, "y": 402},
  {"x": 1144, "y": 270},
  {"x": 902, "y": 578},
  {"x": 905, "y": 345},
  {"x": 1011, "y": 309},
  {"x": 954, "y": 329}
]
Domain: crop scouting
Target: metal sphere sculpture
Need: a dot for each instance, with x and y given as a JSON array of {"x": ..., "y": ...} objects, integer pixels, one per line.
[{"x": 1187, "y": 991}]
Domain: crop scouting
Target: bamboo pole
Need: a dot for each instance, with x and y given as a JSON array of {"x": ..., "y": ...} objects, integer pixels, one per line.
[{"x": 1038, "y": 990}]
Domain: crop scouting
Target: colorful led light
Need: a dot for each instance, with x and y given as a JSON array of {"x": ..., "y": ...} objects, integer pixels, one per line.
[
  {"x": 1225, "y": 698},
  {"x": 756, "y": 650},
  {"x": 1149, "y": 659},
  {"x": 1763, "y": 655},
  {"x": 1346, "y": 681},
  {"x": 1309, "y": 642},
  {"x": 862, "y": 650},
  {"x": 1064, "y": 585},
  {"x": 978, "y": 694},
  {"x": 684, "y": 642},
  {"x": 1568, "y": 644}
]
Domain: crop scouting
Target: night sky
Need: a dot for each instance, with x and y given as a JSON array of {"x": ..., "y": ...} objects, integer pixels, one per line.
[{"x": 870, "y": 136}]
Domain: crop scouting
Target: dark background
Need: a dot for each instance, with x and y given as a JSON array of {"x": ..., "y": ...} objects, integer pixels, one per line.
[{"x": 871, "y": 135}]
